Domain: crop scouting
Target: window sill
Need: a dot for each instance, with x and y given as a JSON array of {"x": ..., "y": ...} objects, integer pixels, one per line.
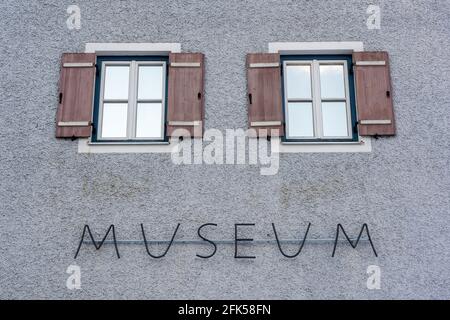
[
  {"x": 121, "y": 143},
  {"x": 86, "y": 146},
  {"x": 364, "y": 145},
  {"x": 322, "y": 142}
]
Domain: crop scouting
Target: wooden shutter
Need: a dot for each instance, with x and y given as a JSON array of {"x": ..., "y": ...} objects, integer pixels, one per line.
[
  {"x": 73, "y": 118},
  {"x": 264, "y": 93},
  {"x": 186, "y": 98},
  {"x": 374, "y": 94}
]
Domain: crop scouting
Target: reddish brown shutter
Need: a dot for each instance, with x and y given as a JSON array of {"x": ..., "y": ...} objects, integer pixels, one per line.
[
  {"x": 185, "y": 101},
  {"x": 264, "y": 93},
  {"x": 374, "y": 94},
  {"x": 73, "y": 118}
]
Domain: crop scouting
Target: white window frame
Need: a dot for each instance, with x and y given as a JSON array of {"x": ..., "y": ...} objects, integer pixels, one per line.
[
  {"x": 316, "y": 98},
  {"x": 364, "y": 144},
  {"x": 132, "y": 100},
  {"x": 85, "y": 145}
]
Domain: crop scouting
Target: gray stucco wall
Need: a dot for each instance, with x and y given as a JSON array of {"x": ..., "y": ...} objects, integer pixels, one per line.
[{"x": 48, "y": 191}]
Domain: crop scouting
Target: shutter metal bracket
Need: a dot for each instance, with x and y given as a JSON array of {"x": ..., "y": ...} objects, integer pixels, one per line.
[
  {"x": 78, "y": 65},
  {"x": 185, "y": 64},
  {"x": 369, "y": 63},
  {"x": 265, "y": 65}
]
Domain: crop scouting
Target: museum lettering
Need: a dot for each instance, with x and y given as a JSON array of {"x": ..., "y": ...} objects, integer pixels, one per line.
[{"x": 238, "y": 240}]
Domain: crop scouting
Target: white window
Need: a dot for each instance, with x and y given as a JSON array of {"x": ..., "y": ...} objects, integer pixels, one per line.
[
  {"x": 131, "y": 102},
  {"x": 317, "y": 100}
]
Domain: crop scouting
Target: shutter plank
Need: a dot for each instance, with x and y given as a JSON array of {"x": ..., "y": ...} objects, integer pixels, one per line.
[
  {"x": 374, "y": 94},
  {"x": 186, "y": 97},
  {"x": 76, "y": 84},
  {"x": 265, "y": 111}
]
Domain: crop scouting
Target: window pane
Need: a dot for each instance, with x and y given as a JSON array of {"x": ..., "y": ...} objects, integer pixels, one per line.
[
  {"x": 334, "y": 115},
  {"x": 116, "y": 82},
  {"x": 150, "y": 82},
  {"x": 332, "y": 83},
  {"x": 114, "y": 123},
  {"x": 149, "y": 120},
  {"x": 298, "y": 82},
  {"x": 300, "y": 119}
]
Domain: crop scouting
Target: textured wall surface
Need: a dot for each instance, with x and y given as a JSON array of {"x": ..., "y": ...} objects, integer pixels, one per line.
[{"x": 48, "y": 191}]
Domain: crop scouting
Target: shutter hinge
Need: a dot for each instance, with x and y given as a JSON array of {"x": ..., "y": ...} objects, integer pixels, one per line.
[
  {"x": 97, "y": 71},
  {"x": 94, "y": 129},
  {"x": 60, "y": 97},
  {"x": 355, "y": 127}
]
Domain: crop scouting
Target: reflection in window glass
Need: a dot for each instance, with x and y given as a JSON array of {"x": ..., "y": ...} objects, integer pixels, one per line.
[
  {"x": 332, "y": 84},
  {"x": 149, "y": 120},
  {"x": 150, "y": 82},
  {"x": 116, "y": 82},
  {"x": 298, "y": 82},
  {"x": 114, "y": 124},
  {"x": 334, "y": 115},
  {"x": 300, "y": 119}
]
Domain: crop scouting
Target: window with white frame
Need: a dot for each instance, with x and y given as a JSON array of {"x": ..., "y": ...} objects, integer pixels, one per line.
[
  {"x": 319, "y": 101},
  {"x": 130, "y": 99}
]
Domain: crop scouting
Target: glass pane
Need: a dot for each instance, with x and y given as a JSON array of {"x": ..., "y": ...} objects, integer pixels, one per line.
[
  {"x": 300, "y": 119},
  {"x": 332, "y": 83},
  {"x": 150, "y": 82},
  {"x": 114, "y": 124},
  {"x": 334, "y": 115},
  {"x": 149, "y": 120},
  {"x": 116, "y": 82},
  {"x": 298, "y": 82}
]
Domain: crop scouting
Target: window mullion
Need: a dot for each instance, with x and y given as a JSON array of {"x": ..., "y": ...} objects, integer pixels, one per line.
[
  {"x": 132, "y": 98},
  {"x": 317, "y": 112},
  {"x": 347, "y": 101},
  {"x": 101, "y": 102}
]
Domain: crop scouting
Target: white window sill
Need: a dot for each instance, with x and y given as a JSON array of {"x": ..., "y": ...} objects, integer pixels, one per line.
[
  {"x": 120, "y": 143},
  {"x": 364, "y": 145},
  {"x": 85, "y": 146}
]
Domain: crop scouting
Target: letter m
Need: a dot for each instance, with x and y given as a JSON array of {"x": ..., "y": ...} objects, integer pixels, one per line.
[
  {"x": 98, "y": 246},
  {"x": 355, "y": 244}
]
